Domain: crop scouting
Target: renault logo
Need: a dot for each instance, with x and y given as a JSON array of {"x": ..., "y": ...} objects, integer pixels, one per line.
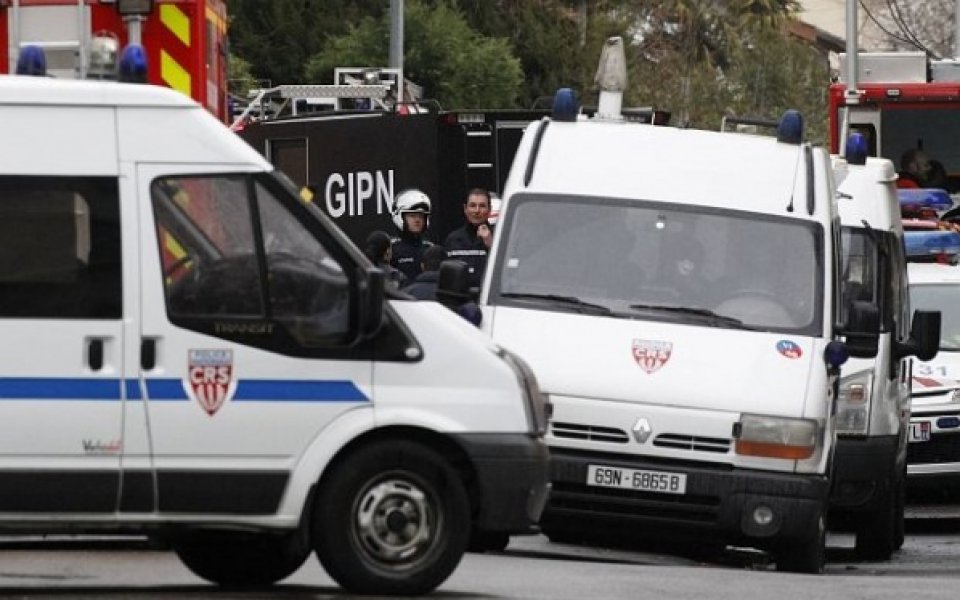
[{"x": 642, "y": 430}]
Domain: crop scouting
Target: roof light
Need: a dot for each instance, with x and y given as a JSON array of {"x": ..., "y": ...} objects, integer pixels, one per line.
[
  {"x": 133, "y": 64},
  {"x": 140, "y": 8},
  {"x": 32, "y": 61},
  {"x": 856, "y": 150},
  {"x": 790, "y": 129},
  {"x": 612, "y": 79},
  {"x": 931, "y": 244},
  {"x": 104, "y": 48},
  {"x": 565, "y": 106},
  {"x": 934, "y": 198}
]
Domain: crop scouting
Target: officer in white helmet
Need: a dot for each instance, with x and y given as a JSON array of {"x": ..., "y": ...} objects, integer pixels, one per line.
[{"x": 411, "y": 215}]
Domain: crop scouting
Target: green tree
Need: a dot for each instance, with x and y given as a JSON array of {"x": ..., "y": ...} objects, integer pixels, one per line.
[
  {"x": 453, "y": 63},
  {"x": 278, "y": 36}
]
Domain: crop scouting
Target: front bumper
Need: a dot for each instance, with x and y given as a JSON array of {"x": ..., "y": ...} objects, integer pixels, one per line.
[
  {"x": 719, "y": 502},
  {"x": 940, "y": 456},
  {"x": 863, "y": 469},
  {"x": 513, "y": 480}
]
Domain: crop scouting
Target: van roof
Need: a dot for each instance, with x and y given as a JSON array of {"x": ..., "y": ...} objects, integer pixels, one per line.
[
  {"x": 868, "y": 193},
  {"x": 931, "y": 273},
  {"x": 632, "y": 160},
  {"x": 37, "y": 91}
]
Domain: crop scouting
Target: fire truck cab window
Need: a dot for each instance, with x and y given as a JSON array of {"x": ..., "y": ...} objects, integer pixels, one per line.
[
  {"x": 60, "y": 248},
  {"x": 231, "y": 252}
]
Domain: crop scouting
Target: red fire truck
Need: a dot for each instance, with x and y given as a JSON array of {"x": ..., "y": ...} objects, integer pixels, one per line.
[
  {"x": 184, "y": 40},
  {"x": 904, "y": 101}
]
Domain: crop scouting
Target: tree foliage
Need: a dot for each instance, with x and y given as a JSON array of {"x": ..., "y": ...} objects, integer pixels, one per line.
[
  {"x": 700, "y": 59},
  {"x": 453, "y": 63}
]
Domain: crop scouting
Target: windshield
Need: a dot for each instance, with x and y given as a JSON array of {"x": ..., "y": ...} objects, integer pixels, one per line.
[
  {"x": 946, "y": 299},
  {"x": 661, "y": 261}
]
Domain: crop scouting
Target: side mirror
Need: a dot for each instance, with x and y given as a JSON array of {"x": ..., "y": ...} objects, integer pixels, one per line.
[
  {"x": 371, "y": 298},
  {"x": 453, "y": 287},
  {"x": 862, "y": 331},
  {"x": 924, "y": 339}
]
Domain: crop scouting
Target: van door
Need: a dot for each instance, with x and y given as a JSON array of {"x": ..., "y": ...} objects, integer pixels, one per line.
[
  {"x": 247, "y": 332},
  {"x": 62, "y": 358}
]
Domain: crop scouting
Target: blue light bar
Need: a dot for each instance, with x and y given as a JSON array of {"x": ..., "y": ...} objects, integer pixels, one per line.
[
  {"x": 925, "y": 198},
  {"x": 32, "y": 60},
  {"x": 856, "y": 150},
  {"x": 931, "y": 243},
  {"x": 565, "y": 105},
  {"x": 790, "y": 129},
  {"x": 133, "y": 64}
]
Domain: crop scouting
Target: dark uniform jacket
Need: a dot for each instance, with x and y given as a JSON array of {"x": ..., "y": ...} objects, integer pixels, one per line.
[
  {"x": 463, "y": 244},
  {"x": 408, "y": 254}
]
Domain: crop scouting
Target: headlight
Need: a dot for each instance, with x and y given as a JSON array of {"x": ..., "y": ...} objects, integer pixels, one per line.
[
  {"x": 775, "y": 437},
  {"x": 853, "y": 403},
  {"x": 536, "y": 405}
]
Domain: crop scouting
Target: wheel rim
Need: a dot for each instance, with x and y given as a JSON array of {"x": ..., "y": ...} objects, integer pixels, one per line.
[{"x": 395, "y": 522}]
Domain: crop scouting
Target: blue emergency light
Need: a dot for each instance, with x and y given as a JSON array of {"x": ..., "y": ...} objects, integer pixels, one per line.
[
  {"x": 948, "y": 422},
  {"x": 32, "y": 61},
  {"x": 790, "y": 129},
  {"x": 856, "y": 149},
  {"x": 917, "y": 198},
  {"x": 133, "y": 64},
  {"x": 929, "y": 244},
  {"x": 565, "y": 106}
]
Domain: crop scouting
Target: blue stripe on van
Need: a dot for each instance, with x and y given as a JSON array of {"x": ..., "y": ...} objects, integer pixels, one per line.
[
  {"x": 276, "y": 390},
  {"x": 166, "y": 389},
  {"x": 297, "y": 390},
  {"x": 58, "y": 388}
]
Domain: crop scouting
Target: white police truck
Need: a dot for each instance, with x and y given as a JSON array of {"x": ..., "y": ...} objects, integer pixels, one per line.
[
  {"x": 191, "y": 350},
  {"x": 873, "y": 404},
  {"x": 677, "y": 293}
]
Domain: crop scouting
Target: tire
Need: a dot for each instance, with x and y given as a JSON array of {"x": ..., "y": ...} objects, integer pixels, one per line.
[
  {"x": 900, "y": 522},
  {"x": 808, "y": 555},
  {"x": 238, "y": 560},
  {"x": 392, "y": 518},
  {"x": 877, "y": 530},
  {"x": 488, "y": 541}
]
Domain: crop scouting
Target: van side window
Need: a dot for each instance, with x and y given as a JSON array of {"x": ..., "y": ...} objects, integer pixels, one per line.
[
  {"x": 236, "y": 260},
  {"x": 60, "y": 253},
  {"x": 309, "y": 292}
]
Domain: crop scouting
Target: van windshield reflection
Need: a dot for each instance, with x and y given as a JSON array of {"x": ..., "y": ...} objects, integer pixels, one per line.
[{"x": 662, "y": 261}]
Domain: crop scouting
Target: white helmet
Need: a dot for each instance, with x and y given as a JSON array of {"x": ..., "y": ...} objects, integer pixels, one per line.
[{"x": 410, "y": 201}]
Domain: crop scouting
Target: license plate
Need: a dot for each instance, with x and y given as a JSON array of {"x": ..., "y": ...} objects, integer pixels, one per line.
[
  {"x": 641, "y": 480},
  {"x": 920, "y": 431}
]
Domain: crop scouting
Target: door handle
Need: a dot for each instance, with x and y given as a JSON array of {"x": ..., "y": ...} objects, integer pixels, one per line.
[
  {"x": 95, "y": 354},
  {"x": 148, "y": 353}
]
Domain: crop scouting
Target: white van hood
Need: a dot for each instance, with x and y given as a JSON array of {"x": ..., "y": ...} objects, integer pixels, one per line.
[{"x": 661, "y": 363}]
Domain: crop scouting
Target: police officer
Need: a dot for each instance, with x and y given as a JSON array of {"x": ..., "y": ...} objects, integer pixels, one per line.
[
  {"x": 411, "y": 215},
  {"x": 471, "y": 243}
]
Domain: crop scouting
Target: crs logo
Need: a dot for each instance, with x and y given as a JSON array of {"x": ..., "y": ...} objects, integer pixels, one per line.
[
  {"x": 651, "y": 354},
  {"x": 210, "y": 373}
]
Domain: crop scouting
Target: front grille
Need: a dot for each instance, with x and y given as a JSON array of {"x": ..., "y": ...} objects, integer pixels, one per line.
[
  {"x": 942, "y": 448},
  {"x": 594, "y": 433},
  {"x": 678, "y": 441},
  {"x": 587, "y": 501}
]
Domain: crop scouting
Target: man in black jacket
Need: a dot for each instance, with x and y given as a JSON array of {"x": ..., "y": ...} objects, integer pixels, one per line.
[{"x": 471, "y": 243}]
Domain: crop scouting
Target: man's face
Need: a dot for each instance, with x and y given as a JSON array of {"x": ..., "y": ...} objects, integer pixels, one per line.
[
  {"x": 477, "y": 209},
  {"x": 415, "y": 222}
]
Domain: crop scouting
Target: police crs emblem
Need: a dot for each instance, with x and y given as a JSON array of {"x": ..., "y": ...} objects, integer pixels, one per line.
[
  {"x": 651, "y": 354},
  {"x": 210, "y": 373}
]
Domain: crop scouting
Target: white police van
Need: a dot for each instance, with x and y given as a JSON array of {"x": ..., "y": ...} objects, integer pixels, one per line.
[
  {"x": 193, "y": 351},
  {"x": 933, "y": 454},
  {"x": 873, "y": 404},
  {"x": 676, "y": 293}
]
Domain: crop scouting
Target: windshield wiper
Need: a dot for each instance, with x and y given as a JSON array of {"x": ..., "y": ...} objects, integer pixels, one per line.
[
  {"x": 698, "y": 312},
  {"x": 572, "y": 301}
]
